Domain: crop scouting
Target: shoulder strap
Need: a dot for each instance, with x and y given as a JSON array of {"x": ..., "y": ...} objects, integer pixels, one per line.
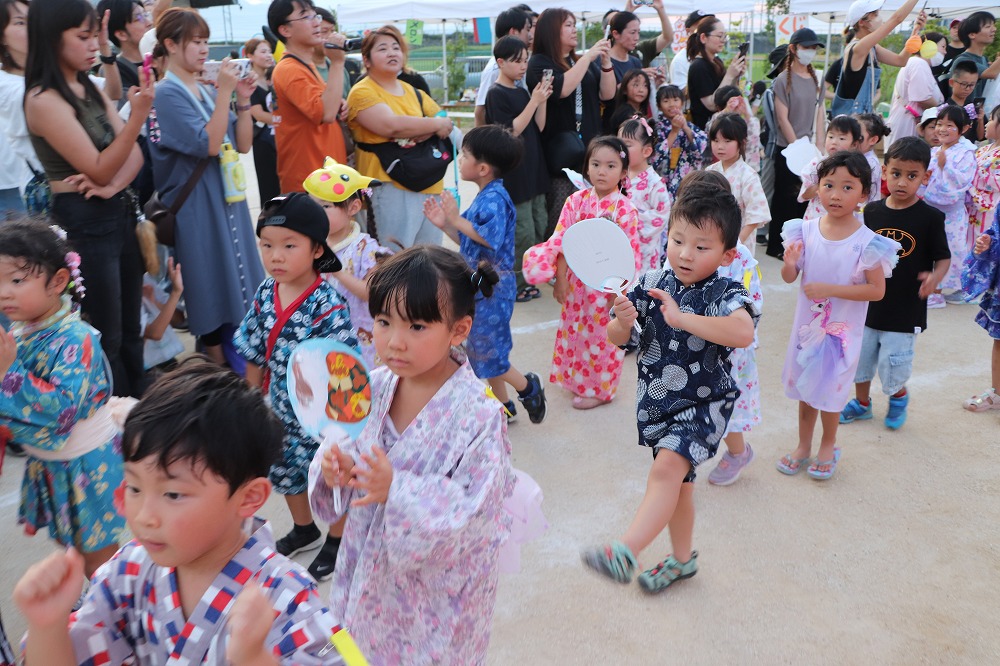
[
  {"x": 304, "y": 64},
  {"x": 420, "y": 101},
  {"x": 189, "y": 185}
]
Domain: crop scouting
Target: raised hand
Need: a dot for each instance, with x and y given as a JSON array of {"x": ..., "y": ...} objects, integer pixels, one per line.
[
  {"x": 793, "y": 253},
  {"x": 668, "y": 306},
  {"x": 375, "y": 481},
  {"x": 47, "y": 590},
  {"x": 434, "y": 211},
  {"x": 174, "y": 273},
  {"x": 982, "y": 244}
]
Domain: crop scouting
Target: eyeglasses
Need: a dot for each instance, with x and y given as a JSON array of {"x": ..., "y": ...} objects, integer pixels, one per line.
[
  {"x": 142, "y": 17},
  {"x": 311, "y": 17},
  {"x": 720, "y": 35},
  {"x": 963, "y": 85}
]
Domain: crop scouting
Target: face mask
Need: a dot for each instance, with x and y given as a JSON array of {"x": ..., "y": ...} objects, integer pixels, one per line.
[
  {"x": 937, "y": 59},
  {"x": 805, "y": 56}
]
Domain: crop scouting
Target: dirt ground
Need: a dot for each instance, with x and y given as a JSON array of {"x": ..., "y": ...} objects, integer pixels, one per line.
[{"x": 893, "y": 561}]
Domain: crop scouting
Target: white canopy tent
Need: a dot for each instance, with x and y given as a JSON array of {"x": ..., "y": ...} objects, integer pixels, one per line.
[{"x": 835, "y": 11}]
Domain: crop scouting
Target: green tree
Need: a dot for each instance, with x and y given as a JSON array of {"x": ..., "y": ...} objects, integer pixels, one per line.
[
  {"x": 773, "y": 8},
  {"x": 456, "y": 66}
]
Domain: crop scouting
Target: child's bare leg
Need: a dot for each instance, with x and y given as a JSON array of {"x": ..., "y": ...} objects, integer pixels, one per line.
[
  {"x": 337, "y": 528},
  {"x": 214, "y": 352},
  {"x": 830, "y": 421},
  {"x": 863, "y": 392},
  {"x": 513, "y": 377},
  {"x": 807, "y": 424},
  {"x": 95, "y": 558},
  {"x": 735, "y": 444},
  {"x": 298, "y": 506},
  {"x": 657, "y": 507},
  {"x": 996, "y": 365},
  {"x": 682, "y": 524}
]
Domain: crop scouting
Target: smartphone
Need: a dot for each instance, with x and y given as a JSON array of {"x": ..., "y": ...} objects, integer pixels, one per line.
[
  {"x": 642, "y": 3},
  {"x": 210, "y": 71},
  {"x": 147, "y": 65},
  {"x": 546, "y": 75},
  {"x": 607, "y": 31},
  {"x": 979, "y": 102},
  {"x": 744, "y": 49},
  {"x": 244, "y": 67}
]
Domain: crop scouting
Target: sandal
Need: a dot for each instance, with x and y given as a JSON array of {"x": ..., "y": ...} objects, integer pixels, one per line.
[
  {"x": 579, "y": 402},
  {"x": 614, "y": 560},
  {"x": 983, "y": 402},
  {"x": 668, "y": 572},
  {"x": 523, "y": 295},
  {"x": 533, "y": 292},
  {"x": 791, "y": 466},
  {"x": 814, "y": 469}
]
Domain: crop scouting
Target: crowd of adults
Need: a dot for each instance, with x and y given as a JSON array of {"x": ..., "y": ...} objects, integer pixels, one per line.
[{"x": 95, "y": 137}]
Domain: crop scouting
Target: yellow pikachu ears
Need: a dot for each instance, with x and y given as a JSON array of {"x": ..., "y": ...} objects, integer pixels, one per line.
[{"x": 336, "y": 182}]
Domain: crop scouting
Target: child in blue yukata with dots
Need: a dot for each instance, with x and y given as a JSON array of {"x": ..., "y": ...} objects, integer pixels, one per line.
[
  {"x": 293, "y": 305},
  {"x": 982, "y": 277},
  {"x": 200, "y": 582},
  {"x": 691, "y": 320},
  {"x": 486, "y": 231}
]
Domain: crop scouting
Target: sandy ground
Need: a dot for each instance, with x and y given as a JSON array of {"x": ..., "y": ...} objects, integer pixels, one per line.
[{"x": 893, "y": 561}]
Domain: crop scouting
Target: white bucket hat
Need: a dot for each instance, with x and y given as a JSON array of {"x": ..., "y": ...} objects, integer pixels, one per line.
[{"x": 859, "y": 8}]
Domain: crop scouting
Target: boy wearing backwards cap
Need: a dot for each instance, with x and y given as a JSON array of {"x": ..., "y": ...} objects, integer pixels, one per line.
[
  {"x": 341, "y": 191},
  {"x": 293, "y": 305}
]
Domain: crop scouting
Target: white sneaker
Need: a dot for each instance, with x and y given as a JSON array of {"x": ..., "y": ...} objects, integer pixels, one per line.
[{"x": 936, "y": 302}]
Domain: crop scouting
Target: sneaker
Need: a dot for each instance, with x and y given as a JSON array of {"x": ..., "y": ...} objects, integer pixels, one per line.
[
  {"x": 296, "y": 542},
  {"x": 936, "y": 302},
  {"x": 511, "y": 411},
  {"x": 956, "y": 297},
  {"x": 326, "y": 559},
  {"x": 984, "y": 401},
  {"x": 730, "y": 467},
  {"x": 534, "y": 403},
  {"x": 668, "y": 572},
  {"x": 615, "y": 561},
  {"x": 896, "y": 416},
  {"x": 16, "y": 450},
  {"x": 855, "y": 411}
]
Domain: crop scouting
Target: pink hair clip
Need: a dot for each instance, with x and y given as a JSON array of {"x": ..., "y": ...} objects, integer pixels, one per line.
[{"x": 645, "y": 125}]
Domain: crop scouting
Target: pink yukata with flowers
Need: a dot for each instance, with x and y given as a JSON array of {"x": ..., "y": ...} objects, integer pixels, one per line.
[
  {"x": 946, "y": 190},
  {"x": 652, "y": 201},
  {"x": 984, "y": 195},
  {"x": 132, "y": 613},
  {"x": 416, "y": 577},
  {"x": 584, "y": 361}
]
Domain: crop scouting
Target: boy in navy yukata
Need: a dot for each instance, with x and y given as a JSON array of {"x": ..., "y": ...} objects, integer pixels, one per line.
[
  {"x": 200, "y": 583},
  {"x": 293, "y": 305},
  {"x": 691, "y": 320},
  {"x": 486, "y": 232}
]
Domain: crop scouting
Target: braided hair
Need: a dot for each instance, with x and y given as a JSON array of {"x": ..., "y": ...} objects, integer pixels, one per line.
[{"x": 789, "y": 58}]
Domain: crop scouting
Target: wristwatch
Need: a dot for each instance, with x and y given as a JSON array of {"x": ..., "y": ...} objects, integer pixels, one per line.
[{"x": 109, "y": 60}]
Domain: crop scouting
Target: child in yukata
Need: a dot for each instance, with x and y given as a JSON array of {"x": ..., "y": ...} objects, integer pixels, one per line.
[
  {"x": 427, "y": 478},
  {"x": 680, "y": 145},
  {"x": 200, "y": 582},
  {"x": 486, "y": 232},
  {"x": 842, "y": 133},
  {"x": 691, "y": 320},
  {"x": 294, "y": 305},
  {"x": 341, "y": 191}
]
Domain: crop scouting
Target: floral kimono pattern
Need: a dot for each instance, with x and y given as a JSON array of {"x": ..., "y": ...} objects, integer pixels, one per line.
[
  {"x": 946, "y": 190},
  {"x": 673, "y": 162},
  {"x": 416, "y": 577},
  {"x": 269, "y": 334},
  {"x": 359, "y": 253},
  {"x": 746, "y": 414},
  {"x": 981, "y": 275},
  {"x": 749, "y": 194},
  {"x": 132, "y": 613},
  {"x": 649, "y": 195},
  {"x": 984, "y": 195},
  {"x": 58, "y": 379},
  {"x": 585, "y": 362}
]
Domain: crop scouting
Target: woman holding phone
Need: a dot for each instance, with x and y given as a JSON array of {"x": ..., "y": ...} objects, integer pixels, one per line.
[{"x": 707, "y": 72}]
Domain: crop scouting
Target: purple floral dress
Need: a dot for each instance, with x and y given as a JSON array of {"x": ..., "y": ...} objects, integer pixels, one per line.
[
  {"x": 946, "y": 191},
  {"x": 58, "y": 379},
  {"x": 416, "y": 577}
]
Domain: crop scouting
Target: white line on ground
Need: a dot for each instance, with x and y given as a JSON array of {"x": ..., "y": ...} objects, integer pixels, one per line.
[
  {"x": 10, "y": 499},
  {"x": 534, "y": 328}
]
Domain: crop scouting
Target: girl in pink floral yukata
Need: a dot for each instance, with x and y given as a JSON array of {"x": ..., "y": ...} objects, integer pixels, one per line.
[
  {"x": 416, "y": 576},
  {"x": 584, "y": 362}
]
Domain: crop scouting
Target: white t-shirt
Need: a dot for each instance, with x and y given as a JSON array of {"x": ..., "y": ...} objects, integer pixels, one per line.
[
  {"x": 16, "y": 149},
  {"x": 679, "y": 70}
]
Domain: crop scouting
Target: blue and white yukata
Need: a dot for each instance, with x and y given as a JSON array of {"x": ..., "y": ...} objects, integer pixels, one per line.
[
  {"x": 494, "y": 217},
  {"x": 267, "y": 337},
  {"x": 59, "y": 380},
  {"x": 132, "y": 613},
  {"x": 686, "y": 392}
]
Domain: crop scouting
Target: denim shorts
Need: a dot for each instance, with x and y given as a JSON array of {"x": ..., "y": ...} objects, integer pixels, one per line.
[{"x": 890, "y": 353}]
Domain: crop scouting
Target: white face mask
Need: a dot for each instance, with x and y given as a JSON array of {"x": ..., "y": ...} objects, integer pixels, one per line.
[
  {"x": 805, "y": 56},
  {"x": 937, "y": 59}
]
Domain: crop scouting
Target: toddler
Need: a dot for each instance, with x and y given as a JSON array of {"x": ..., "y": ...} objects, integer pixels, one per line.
[
  {"x": 728, "y": 135},
  {"x": 680, "y": 146},
  {"x": 647, "y": 191},
  {"x": 842, "y": 133}
]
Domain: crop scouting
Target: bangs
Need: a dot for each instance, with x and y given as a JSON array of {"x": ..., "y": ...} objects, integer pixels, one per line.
[{"x": 408, "y": 284}]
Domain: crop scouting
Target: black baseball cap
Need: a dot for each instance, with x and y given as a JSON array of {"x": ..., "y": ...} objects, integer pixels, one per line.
[
  {"x": 805, "y": 37},
  {"x": 298, "y": 212},
  {"x": 695, "y": 17},
  {"x": 777, "y": 59}
]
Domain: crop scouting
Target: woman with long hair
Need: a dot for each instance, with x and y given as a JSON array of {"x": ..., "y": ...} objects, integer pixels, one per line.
[
  {"x": 214, "y": 238},
  {"x": 796, "y": 103},
  {"x": 90, "y": 156},
  {"x": 579, "y": 85},
  {"x": 707, "y": 73},
  {"x": 860, "y": 73}
]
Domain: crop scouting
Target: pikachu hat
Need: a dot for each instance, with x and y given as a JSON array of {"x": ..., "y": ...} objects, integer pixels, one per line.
[{"x": 337, "y": 182}]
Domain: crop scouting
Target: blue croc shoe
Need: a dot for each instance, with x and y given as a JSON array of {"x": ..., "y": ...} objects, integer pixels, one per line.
[
  {"x": 855, "y": 411},
  {"x": 896, "y": 416}
]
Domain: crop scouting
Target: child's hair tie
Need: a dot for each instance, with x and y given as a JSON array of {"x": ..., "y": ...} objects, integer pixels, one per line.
[
  {"x": 76, "y": 283},
  {"x": 971, "y": 110},
  {"x": 477, "y": 280},
  {"x": 59, "y": 231},
  {"x": 645, "y": 125},
  {"x": 622, "y": 154}
]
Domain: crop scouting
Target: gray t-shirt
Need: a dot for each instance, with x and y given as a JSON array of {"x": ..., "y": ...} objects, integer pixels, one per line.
[{"x": 801, "y": 101}]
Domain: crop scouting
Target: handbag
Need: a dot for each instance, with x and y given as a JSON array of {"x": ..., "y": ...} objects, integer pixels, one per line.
[
  {"x": 415, "y": 167},
  {"x": 565, "y": 150},
  {"x": 37, "y": 194},
  {"x": 164, "y": 216},
  {"x": 860, "y": 104}
]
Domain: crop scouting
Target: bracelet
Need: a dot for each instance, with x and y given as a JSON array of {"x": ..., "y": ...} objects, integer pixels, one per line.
[
  {"x": 607, "y": 69},
  {"x": 243, "y": 107},
  {"x": 109, "y": 60}
]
